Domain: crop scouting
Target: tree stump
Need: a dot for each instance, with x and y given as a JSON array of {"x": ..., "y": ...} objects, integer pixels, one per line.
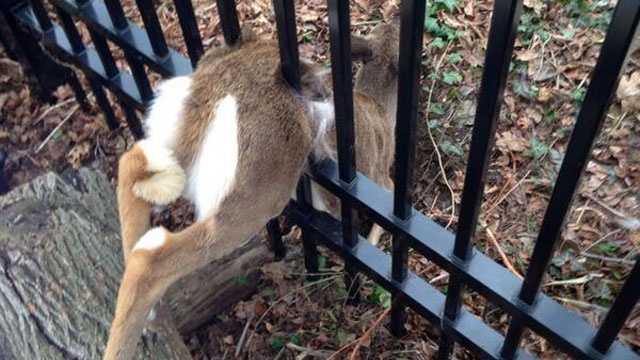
[{"x": 61, "y": 264}]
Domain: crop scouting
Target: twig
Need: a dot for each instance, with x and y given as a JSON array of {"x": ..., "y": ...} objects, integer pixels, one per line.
[
  {"x": 605, "y": 206},
  {"x": 582, "y": 304},
  {"x": 280, "y": 354},
  {"x": 46, "y": 140},
  {"x": 600, "y": 240},
  {"x": 626, "y": 221},
  {"x": 51, "y": 108},
  {"x": 243, "y": 336},
  {"x": 435, "y": 146},
  {"x": 367, "y": 334},
  {"x": 440, "y": 277},
  {"x": 575, "y": 281},
  {"x": 507, "y": 194},
  {"x": 504, "y": 257},
  {"x": 307, "y": 351},
  {"x": 358, "y": 342},
  {"x": 607, "y": 258}
]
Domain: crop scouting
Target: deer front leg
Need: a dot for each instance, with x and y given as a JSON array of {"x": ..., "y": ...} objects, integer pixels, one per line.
[
  {"x": 148, "y": 175},
  {"x": 375, "y": 234},
  {"x": 377, "y": 231}
]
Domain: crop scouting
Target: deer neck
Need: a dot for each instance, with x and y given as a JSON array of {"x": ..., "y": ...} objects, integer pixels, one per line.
[{"x": 381, "y": 86}]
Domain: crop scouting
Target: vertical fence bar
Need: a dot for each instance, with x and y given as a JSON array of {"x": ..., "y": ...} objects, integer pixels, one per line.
[
  {"x": 41, "y": 14},
  {"x": 140, "y": 76},
  {"x": 190, "y": 31},
  {"x": 341, "y": 70},
  {"x": 103, "y": 101},
  {"x": 47, "y": 73},
  {"x": 604, "y": 80},
  {"x": 288, "y": 41},
  {"x": 290, "y": 63},
  {"x": 132, "y": 120},
  {"x": 108, "y": 63},
  {"x": 229, "y": 20},
  {"x": 119, "y": 20},
  {"x": 275, "y": 237},
  {"x": 411, "y": 30},
  {"x": 305, "y": 201},
  {"x": 152, "y": 25},
  {"x": 78, "y": 47},
  {"x": 504, "y": 22},
  {"x": 71, "y": 31},
  {"x": 619, "y": 312}
]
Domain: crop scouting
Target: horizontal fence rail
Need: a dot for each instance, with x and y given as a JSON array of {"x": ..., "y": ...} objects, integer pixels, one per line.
[{"x": 145, "y": 49}]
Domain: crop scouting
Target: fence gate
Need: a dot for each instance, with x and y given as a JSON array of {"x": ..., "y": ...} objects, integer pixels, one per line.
[{"x": 30, "y": 24}]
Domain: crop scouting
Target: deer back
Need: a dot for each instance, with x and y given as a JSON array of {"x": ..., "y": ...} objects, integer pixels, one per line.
[{"x": 242, "y": 134}]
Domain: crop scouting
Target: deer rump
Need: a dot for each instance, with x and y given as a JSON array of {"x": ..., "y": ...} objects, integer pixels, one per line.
[{"x": 233, "y": 137}]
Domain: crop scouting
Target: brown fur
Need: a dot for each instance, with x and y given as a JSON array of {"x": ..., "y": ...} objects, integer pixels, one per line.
[
  {"x": 374, "y": 97},
  {"x": 134, "y": 212},
  {"x": 274, "y": 138}
]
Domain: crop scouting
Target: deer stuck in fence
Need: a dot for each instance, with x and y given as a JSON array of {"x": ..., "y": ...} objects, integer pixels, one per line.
[
  {"x": 233, "y": 137},
  {"x": 374, "y": 101}
]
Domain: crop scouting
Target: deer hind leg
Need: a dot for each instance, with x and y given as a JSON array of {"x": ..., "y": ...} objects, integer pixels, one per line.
[
  {"x": 148, "y": 175},
  {"x": 158, "y": 260}
]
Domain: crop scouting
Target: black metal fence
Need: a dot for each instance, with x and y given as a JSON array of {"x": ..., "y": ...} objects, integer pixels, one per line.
[{"x": 30, "y": 25}]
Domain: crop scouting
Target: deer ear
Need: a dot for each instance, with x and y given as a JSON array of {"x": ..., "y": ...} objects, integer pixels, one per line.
[{"x": 360, "y": 48}]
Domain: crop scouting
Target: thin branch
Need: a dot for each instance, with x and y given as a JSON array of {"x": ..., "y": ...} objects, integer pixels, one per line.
[
  {"x": 435, "y": 146},
  {"x": 46, "y": 140},
  {"x": 505, "y": 258},
  {"x": 51, "y": 108}
]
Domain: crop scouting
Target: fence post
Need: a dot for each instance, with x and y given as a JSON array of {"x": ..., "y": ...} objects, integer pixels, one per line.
[{"x": 45, "y": 74}]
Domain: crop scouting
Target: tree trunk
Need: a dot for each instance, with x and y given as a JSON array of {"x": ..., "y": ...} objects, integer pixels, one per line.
[{"x": 61, "y": 263}]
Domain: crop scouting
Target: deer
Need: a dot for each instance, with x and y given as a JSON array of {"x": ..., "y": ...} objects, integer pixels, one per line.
[
  {"x": 233, "y": 138},
  {"x": 374, "y": 104}
]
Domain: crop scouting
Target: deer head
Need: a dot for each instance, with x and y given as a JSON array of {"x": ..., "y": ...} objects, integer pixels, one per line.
[{"x": 378, "y": 76}]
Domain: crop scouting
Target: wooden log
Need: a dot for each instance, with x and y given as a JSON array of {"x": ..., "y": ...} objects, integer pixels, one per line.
[{"x": 61, "y": 263}]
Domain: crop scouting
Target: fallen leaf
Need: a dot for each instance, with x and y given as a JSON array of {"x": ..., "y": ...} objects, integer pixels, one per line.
[
  {"x": 79, "y": 153},
  {"x": 628, "y": 92},
  {"x": 507, "y": 141}
]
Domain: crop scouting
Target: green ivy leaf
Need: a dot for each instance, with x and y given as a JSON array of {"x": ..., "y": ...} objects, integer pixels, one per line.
[
  {"x": 322, "y": 262},
  {"x": 437, "y": 109},
  {"x": 276, "y": 343},
  {"x": 295, "y": 339},
  {"x": 451, "y": 77},
  {"x": 380, "y": 296},
  {"x": 449, "y": 4},
  {"x": 454, "y": 58},
  {"x": 450, "y": 148},
  {"x": 538, "y": 149},
  {"x": 608, "y": 248},
  {"x": 431, "y": 25}
]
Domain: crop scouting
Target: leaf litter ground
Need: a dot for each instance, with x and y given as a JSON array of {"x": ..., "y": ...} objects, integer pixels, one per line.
[{"x": 289, "y": 317}]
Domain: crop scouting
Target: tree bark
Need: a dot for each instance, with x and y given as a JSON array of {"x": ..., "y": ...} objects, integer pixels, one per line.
[{"x": 61, "y": 264}]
